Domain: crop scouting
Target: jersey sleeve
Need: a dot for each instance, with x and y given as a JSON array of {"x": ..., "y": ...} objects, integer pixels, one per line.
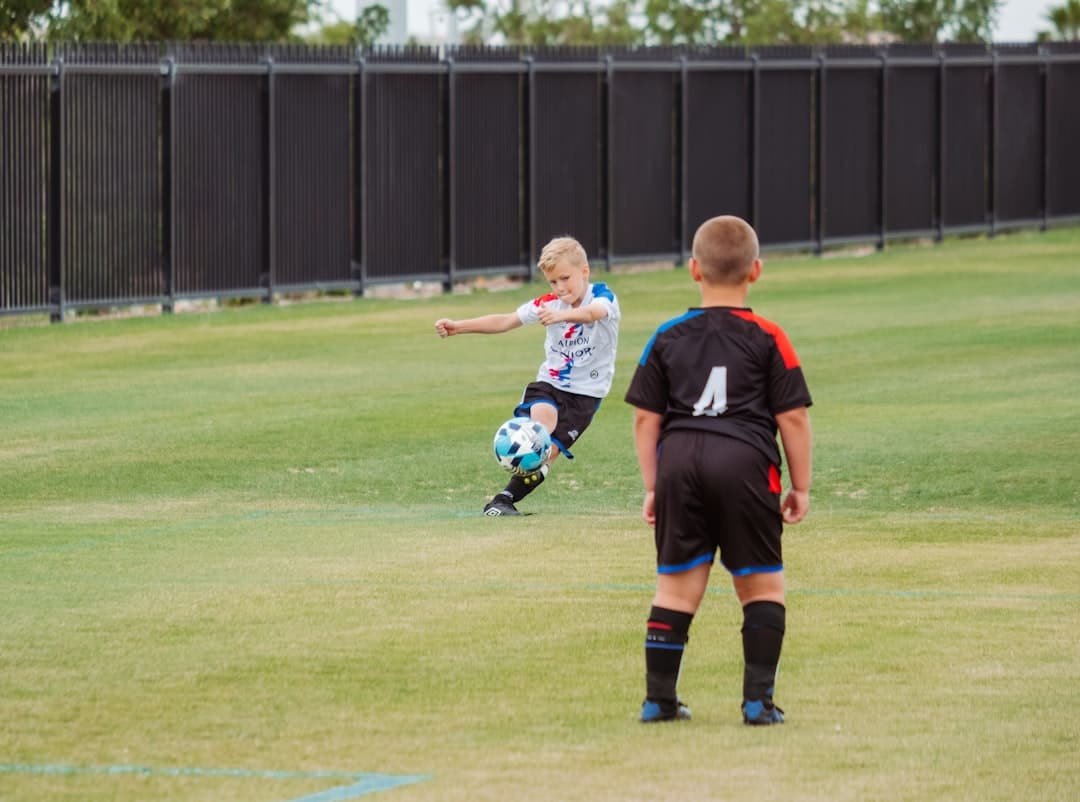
[
  {"x": 603, "y": 295},
  {"x": 649, "y": 386},
  {"x": 787, "y": 384}
]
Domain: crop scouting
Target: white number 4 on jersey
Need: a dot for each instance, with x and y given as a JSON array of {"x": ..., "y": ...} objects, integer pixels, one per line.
[{"x": 713, "y": 400}]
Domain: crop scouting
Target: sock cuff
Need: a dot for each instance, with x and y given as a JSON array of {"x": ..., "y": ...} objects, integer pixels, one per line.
[
  {"x": 678, "y": 622},
  {"x": 765, "y": 614}
]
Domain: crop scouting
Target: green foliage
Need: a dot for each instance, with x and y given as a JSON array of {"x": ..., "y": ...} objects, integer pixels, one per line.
[
  {"x": 251, "y": 539},
  {"x": 547, "y": 22},
  {"x": 934, "y": 20},
  {"x": 202, "y": 20},
  {"x": 754, "y": 22},
  {"x": 16, "y": 16},
  {"x": 1065, "y": 20},
  {"x": 713, "y": 22},
  {"x": 365, "y": 30},
  {"x": 371, "y": 24}
]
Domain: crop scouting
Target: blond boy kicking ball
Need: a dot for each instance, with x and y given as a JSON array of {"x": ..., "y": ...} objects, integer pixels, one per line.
[
  {"x": 581, "y": 320},
  {"x": 711, "y": 390}
]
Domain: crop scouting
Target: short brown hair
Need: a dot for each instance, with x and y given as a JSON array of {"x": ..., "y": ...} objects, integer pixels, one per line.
[
  {"x": 562, "y": 249},
  {"x": 725, "y": 248}
]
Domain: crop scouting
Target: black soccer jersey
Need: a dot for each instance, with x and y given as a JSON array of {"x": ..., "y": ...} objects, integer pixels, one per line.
[{"x": 720, "y": 369}]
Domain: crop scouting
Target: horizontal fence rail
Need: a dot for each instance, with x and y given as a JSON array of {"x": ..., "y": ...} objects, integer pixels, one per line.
[{"x": 147, "y": 174}]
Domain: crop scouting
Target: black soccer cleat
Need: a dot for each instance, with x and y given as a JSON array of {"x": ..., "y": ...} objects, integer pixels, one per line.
[
  {"x": 500, "y": 505},
  {"x": 663, "y": 711},
  {"x": 761, "y": 713}
]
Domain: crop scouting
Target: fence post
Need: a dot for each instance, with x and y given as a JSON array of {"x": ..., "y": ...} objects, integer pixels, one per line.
[
  {"x": 821, "y": 205},
  {"x": 451, "y": 174},
  {"x": 1044, "y": 72},
  {"x": 994, "y": 104},
  {"x": 55, "y": 217},
  {"x": 942, "y": 162},
  {"x": 359, "y": 266},
  {"x": 755, "y": 141},
  {"x": 684, "y": 147},
  {"x": 883, "y": 120},
  {"x": 168, "y": 173},
  {"x": 530, "y": 150},
  {"x": 268, "y": 278},
  {"x": 609, "y": 179}
]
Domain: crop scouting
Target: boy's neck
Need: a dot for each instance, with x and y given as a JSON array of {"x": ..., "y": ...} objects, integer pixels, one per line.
[{"x": 724, "y": 296}]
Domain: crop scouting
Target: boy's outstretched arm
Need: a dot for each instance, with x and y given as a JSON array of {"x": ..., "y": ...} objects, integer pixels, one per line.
[
  {"x": 647, "y": 426},
  {"x": 487, "y": 324},
  {"x": 797, "y": 439},
  {"x": 583, "y": 314}
]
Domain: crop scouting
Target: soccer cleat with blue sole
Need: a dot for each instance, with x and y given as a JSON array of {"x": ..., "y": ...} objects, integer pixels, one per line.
[
  {"x": 760, "y": 714},
  {"x": 656, "y": 711}
]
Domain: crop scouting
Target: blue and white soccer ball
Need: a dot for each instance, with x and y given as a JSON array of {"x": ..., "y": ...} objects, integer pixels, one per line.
[{"x": 522, "y": 446}]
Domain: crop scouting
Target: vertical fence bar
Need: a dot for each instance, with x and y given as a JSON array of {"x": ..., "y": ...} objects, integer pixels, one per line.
[
  {"x": 55, "y": 218},
  {"x": 360, "y": 115},
  {"x": 755, "y": 140},
  {"x": 609, "y": 151},
  {"x": 1044, "y": 84},
  {"x": 684, "y": 148},
  {"x": 168, "y": 184},
  {"x": 993, "y": 143},
  {"x": 819, "y": 183},
  {"x": 269, "y": 276},
  {"x": 451, "y": 172},
  {"x": 883, "y": 125},
  {"x": 530, "y": 166},
  {"x": 941, "y": 147}
]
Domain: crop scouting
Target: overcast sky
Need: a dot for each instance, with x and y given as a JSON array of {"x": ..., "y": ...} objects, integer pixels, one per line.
[{"x": 1018, "y": 20}]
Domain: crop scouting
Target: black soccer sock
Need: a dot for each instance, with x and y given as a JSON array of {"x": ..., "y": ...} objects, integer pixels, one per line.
[
  {"x": 665, "y": 639},
  {"x": 762, "y": 637},
  {"x": 520, "y": 486}
]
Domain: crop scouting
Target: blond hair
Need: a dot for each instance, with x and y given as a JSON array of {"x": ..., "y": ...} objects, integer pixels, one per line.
[
  {"x": 725, "y": 248},
  {"x": 562, "y": 249}
]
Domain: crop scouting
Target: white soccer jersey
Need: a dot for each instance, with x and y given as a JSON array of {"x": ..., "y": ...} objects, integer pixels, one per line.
[{"x": 579, "y": 357}]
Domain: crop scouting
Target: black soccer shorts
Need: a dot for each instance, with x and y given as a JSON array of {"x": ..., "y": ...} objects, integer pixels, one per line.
[
  {"x": 575, "y": 412},
  {"x": 716, "y": 494}
]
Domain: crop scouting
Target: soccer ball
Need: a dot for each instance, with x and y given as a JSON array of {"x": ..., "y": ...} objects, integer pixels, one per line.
[{"x": 522, "y": 446}]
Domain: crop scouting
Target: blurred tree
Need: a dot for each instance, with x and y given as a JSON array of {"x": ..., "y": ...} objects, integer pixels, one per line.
[
  {"x": 203, "y": 20},
  {"x": 547, "y": 22},
  {"x": 373, "y": 22},
  {"x": 1065, "y": 20},
  {"x": 665, "y": 22},
  {"x": 706, "y": 22},
  {"x": 17, "y": 16},
  {"x": 940, "y": 20}
]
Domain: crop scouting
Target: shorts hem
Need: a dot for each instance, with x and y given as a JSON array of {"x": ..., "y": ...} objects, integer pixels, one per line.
[
  {"x": 683, "y": 567},
  {"x": 757, "y": 569}
]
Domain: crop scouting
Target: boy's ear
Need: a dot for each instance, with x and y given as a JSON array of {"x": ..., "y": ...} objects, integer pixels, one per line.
[
  {"x": 695, "y": 269},
  {"x": 755, "y": 270}
]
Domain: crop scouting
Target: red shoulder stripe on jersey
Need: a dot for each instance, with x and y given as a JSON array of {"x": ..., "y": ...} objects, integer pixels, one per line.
[
  {"x": 783, "y": 344},
  {"x": 543, "y": 299}
]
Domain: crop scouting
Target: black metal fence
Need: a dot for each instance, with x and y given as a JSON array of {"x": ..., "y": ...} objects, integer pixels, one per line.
[{"x": 147, "y": 174}]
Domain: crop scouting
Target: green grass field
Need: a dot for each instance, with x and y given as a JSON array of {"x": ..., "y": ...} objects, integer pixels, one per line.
[{"x": 242, "y": 555}]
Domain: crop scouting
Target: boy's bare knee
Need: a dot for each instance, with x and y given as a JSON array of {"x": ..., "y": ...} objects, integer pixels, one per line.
[{"x": 760, "y": 586}]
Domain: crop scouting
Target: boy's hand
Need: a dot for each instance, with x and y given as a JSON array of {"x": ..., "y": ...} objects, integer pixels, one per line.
[
  {"x": 648, "y": 508},
  {"x": 445, "y": 327},
  {"x": 795, "y": 506},
  {"x": 547, "y": 316}
]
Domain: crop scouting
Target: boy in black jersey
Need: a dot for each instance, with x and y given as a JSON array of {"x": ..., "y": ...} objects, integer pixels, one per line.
[{"x": 711, "y": 390}]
